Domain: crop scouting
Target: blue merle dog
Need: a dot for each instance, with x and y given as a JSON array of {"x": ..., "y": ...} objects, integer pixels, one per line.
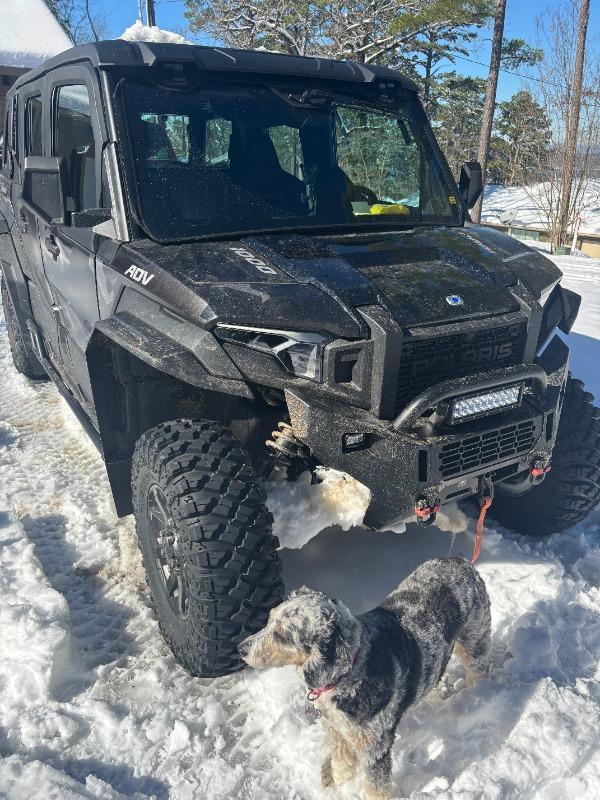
[{"x": 363, "y": 672}]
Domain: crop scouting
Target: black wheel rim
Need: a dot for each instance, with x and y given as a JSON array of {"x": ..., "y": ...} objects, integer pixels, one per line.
[{"x": 166, "y": 548}]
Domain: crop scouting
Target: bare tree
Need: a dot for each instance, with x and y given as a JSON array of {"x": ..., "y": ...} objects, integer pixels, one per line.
[
  {"x": 568, "y": 171},
  {"x": 81, "y": 19},
  {"x": 490, "y": 96},
  {"x": 554, "y": 92}
]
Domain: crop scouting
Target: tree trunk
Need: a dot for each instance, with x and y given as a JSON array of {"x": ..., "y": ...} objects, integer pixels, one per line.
[
  {"x": 427, "y": 77},
  {"x": 490, "y": 97},
  {"x": 91, "y": 21},
  {"x": 568, "y": 170}
]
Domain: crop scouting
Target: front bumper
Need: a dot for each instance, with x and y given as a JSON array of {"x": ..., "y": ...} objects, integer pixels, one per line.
[{"x": 403, "y": 463}]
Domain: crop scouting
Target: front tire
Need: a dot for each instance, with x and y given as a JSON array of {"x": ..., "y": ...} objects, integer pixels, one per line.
[
  {"x": 571, "y": 490},
  {"x": 205, "y": 535},
  {"x": 21, "y": 349}
]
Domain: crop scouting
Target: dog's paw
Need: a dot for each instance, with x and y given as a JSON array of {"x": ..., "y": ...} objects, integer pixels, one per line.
[
  {"x": 327, "y": 774},
  {"x": 342, "y": 772}
]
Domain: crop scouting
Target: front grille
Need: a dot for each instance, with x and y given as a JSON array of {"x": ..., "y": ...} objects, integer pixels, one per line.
[
  {"x": 490, "y": 447},
  {"x": 427, "y": 361}
]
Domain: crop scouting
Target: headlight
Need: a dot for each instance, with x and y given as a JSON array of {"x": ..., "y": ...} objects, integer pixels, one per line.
[{"x": 298, "y": 352}]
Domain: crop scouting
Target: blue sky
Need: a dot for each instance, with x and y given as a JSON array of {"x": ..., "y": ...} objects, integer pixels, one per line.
[{"x": 520, "y": 22}]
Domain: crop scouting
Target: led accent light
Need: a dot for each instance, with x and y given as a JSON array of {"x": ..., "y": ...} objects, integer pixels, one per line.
[
  {"x": 497, "y": 400},
  {"x": 299, "y": 352}
]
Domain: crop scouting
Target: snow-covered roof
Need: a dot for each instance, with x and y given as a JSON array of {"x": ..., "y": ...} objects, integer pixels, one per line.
[
  {"x": 29, "y": 33},
  {"x": 138, "y": 32}
]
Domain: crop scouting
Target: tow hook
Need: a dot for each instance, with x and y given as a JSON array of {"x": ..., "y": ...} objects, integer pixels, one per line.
[
  {"x": 426, "y": 513},
  {"x": 485, "y": 488},
  {"x": 539, "y": 469}
]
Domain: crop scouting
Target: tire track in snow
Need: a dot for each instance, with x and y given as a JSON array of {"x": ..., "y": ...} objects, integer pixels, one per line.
[{"x": 53, "y": 480}]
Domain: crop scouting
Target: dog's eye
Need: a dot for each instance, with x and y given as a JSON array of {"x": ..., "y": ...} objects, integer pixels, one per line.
[{"x": 278, "y": 636}]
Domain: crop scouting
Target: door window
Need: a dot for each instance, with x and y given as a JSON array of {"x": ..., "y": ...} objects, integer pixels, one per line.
[
  {"x": 381, "y": 158},
  {"x": 74, "y": 141},
  {"x": 33, "y": 126}
]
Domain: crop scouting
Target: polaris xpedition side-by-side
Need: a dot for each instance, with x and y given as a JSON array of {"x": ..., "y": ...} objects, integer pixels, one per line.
[{"x": 201, "y": 246}]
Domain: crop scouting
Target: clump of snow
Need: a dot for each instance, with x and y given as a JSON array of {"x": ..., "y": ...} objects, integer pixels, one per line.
[
  {"x": 452, "y": 519},
  {"x": 301, "y": 509},
  {"x": 29, "y": 33},
  {"x": 138, "y": 32}
]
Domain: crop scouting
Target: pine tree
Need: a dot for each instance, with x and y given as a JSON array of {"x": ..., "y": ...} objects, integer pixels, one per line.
[
  {"x": 368, "y": 31},
  {"x": 457, "y": 117},
  {"x": 441, "y": 44},
  {"x": 523, "y": 135}
]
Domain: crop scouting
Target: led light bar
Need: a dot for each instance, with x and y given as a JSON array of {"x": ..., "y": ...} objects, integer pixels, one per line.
[{"x": 496, "y": 400}]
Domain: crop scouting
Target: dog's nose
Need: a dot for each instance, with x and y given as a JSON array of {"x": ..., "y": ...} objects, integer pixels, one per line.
[{"x": 244, "y": 648}]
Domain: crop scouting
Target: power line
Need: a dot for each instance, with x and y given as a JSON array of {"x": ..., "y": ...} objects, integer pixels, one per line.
[{"x": 512, "y": 72}]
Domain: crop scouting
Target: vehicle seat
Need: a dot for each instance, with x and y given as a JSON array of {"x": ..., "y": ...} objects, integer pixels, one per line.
[
  {"x": 155, "y": 142},
  {"x": 254, "y": 166}
]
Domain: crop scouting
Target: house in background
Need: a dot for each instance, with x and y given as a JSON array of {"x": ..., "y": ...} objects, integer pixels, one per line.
[{"x": 29, "y": 34}]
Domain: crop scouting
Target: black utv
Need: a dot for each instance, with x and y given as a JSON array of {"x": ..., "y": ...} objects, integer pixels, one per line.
[{"x": 201, "y": 246}]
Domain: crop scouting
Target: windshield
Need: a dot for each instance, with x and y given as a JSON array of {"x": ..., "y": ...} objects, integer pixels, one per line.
[{"x": 232, "y": 160}]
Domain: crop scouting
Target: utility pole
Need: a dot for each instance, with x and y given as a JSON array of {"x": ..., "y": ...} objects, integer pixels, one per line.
[
  {"x": 487, "y": 121},
  {"x": 140, "y": 11},
  {"x": 150, "y": 12},
  {"x": 568, "y": 171}
]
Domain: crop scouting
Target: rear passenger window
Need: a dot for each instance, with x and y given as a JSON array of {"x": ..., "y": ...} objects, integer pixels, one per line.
[
  {"x": 286, "y": 142},
  {"x": 167, "y": 137},
  {"x": 218, "y": 134},
  {"x": 74, "y": 140},
  {"x": 33, "y": 127}
]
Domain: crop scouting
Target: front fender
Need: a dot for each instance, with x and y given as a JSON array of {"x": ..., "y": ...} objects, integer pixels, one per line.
[{"x": 172, "y": 345}]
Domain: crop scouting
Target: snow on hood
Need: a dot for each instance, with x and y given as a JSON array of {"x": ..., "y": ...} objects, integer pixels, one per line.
[
  {"x": 29, "y": 33},
  {"x": 138, "y": 32}
]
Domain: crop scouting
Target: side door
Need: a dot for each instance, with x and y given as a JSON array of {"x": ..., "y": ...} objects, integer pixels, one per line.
[
  {"x": 30, "y": 140},
  {"x": 69, "y": 250}
]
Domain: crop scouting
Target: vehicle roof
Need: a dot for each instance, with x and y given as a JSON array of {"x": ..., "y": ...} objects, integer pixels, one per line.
[{"x": 119, "y": 53}]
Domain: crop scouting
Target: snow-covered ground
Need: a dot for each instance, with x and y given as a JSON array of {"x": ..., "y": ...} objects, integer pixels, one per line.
[
  {"x": 524, "y": 207},
  {"x": 93, "y": 705}
]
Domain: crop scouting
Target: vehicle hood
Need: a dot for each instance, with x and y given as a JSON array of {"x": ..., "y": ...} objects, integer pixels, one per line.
[{"x": 319, "y": 283}]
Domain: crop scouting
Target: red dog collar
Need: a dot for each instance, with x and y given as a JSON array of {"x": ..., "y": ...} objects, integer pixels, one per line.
[{"x": 314, "y": 694}]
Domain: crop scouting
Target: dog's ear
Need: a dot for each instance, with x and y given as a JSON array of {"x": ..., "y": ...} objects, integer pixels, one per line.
[{"x": 332, "y": 651}]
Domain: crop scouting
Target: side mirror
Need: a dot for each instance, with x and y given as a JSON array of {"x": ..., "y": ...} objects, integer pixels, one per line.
[
  {"x": 470, "y": 183},
  {"x": 43, "y": 181},
  {"x": 570, "y": 308}
]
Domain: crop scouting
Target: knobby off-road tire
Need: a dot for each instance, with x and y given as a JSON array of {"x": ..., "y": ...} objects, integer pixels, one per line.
[
  {"x": 572, "y": 488},
  {"x": 226, "y": 563},
  {"x": 23, "y": 357}
]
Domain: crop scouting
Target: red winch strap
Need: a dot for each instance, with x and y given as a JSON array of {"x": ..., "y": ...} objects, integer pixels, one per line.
[{"x": 485, "y": 504}]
